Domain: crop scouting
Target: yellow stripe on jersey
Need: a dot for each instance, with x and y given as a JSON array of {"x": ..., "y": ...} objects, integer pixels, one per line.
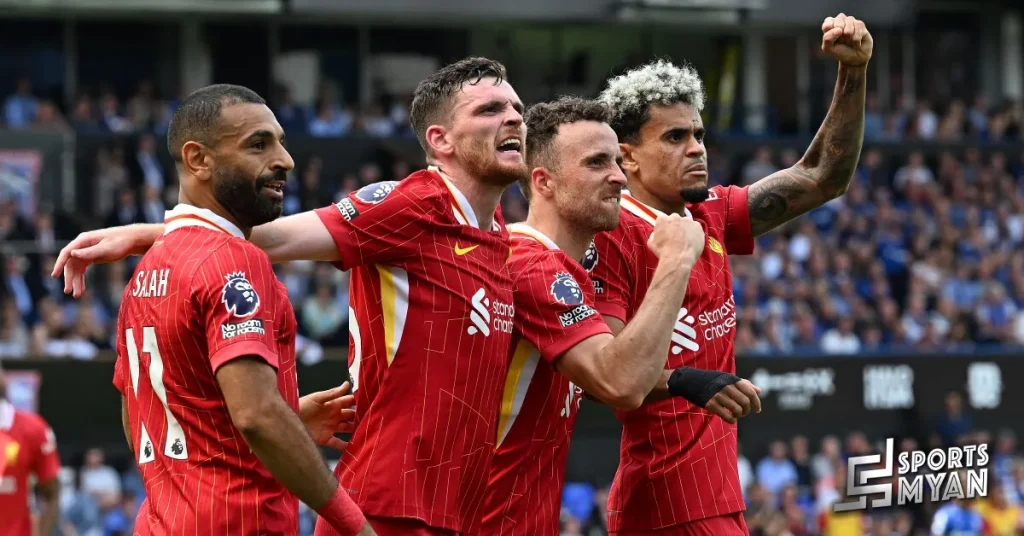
[
  {"x": 520, "y": 374},
  {"x": 394, "y": 304}
]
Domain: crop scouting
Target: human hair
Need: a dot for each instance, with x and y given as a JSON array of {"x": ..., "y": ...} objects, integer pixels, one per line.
[
  {"x": 197, "y": 117},
  {"x": 543, "y": 121},
  {"x": 432, "y": 100},
  {"x": 630, "y": 95}
]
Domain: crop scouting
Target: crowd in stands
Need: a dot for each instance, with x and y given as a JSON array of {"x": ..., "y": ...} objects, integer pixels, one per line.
[{"x": 922, "y": 253}]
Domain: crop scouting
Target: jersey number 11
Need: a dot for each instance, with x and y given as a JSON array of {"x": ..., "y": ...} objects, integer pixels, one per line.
[{"x": 174, "y": 445}]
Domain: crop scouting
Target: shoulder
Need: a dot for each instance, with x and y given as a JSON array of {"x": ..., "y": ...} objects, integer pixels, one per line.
[
  {"x": 424, "y": 189},
  {"x": 33, "y": 424}
]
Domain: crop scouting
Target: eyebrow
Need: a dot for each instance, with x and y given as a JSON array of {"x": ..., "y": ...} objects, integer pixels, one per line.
[
  {"x": 262, "y": 134},
  {"x": 518, "y": 106},
  {"x": 601, "y": 157}
]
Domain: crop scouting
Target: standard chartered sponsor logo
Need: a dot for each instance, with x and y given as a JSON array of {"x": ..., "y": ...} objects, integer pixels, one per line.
[
  {"x": 712, "y": 324},
  {"x": 486, "y": 315}
]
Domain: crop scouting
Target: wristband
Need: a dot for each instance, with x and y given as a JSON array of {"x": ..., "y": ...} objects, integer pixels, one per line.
[
  {"x": 699, "y": 386},
  {"x": 341, "y": 512}
]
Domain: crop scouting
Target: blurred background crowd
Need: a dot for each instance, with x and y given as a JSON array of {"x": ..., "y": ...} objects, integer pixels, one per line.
[
  {"x": 923, "y": 256},
  {"x": 923, "y": 252}
]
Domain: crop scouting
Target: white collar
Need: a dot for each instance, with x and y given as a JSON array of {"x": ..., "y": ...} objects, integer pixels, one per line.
[
  {"x": 644, "y": 212},
  {"x": 6, "y": 415},
  {"x": 524, "y": 229},
  {"x": 185, "y": 215},
  {"x": 461, "y": 209}
]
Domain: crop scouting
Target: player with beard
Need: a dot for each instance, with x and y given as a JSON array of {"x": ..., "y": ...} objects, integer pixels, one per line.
[
  {"x": 561, "y": 346},
  {"x": 206, "y": 344},
  {"x": 677, "y": 471},
  {"x": 27, "y": 448},
  {"x": 431, "y": 301}
]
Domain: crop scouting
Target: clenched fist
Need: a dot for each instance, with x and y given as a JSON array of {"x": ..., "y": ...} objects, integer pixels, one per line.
[
  {"x": 677, "y": 237},
  {"x": 846, "y": 39}
]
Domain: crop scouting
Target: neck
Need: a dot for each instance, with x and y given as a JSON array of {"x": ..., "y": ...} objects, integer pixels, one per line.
[
  {"x": 641, "y": 194},
  {"x": 483, "y": 197},
  {"x": 205, "y": 199},
  {"x": 570, "y": 238}
]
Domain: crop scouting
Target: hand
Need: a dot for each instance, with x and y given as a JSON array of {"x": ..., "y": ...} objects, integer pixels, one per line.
[
  {"x": 330, "y": 412},
  {"x": 367, "y": 531},
  {"x": 735, "y": 401},
  {"x": 847, "y": 40},
  {"x": 677, "y": 235},
  {"x": 102, "y": 246}
]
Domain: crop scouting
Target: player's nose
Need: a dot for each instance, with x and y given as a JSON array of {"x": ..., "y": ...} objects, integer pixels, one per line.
[{"x": 283, "y": 161}]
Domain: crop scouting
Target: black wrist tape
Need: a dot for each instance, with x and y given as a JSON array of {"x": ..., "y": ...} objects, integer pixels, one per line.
[{"x": 697, "y": 385}]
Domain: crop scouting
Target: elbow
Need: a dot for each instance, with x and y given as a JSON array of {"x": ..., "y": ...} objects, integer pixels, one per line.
[
  {"x": 623, "y": 397},
  {"x": 251, "y": 420}
]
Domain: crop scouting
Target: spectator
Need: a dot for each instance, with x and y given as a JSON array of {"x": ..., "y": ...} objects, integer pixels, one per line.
[
  {"x": 320, "y": 316},
  {"x": 20, "y": 109},
  {"x": 776, "y": 470},
  {"x": 100, "y": 480},
  {"x": 953, "y": 424},
  {"x": 999, "y": 516}
]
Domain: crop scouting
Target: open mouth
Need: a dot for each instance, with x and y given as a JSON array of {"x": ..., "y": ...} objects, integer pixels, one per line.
[
  {"x": 276, "y": 189},
  {"x": 511, "y": 145}
]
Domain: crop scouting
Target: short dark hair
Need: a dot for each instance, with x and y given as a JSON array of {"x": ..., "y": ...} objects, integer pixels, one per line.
[
  {"x": 198, "y": 114},
  {"x": 542, "y": 123},
  {"x": 432, "y": 101}
]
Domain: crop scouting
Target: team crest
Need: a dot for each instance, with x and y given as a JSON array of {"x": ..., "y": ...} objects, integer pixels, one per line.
[
  {"x": 565, "y": 290},
  {"x": 238, "y": 296},
  {"x": 715, "y": 245},
  {"x": 589, "y": 261},
  {"x": 376, "y": 192},
  {"x": 11, "y": 452}
]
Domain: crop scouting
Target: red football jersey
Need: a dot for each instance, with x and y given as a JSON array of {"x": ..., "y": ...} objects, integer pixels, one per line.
[
  {"x": 201, "y": 297},
  {"x": 27, "y": 447},
  {"x": 430, "y": 326},
  {"x": 555, "y": 311},
  {"x": 677, "y": 462}
]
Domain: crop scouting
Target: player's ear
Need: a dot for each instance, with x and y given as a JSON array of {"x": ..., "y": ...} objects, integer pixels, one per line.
[
  {"x": 438, "y": 139},
  {"x": 629, "y": 164},
  {"x": 197, "y": 161},
  {"x": 540, "y": 181}
]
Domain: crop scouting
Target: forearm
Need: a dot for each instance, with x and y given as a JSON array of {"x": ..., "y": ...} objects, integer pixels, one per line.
[
  {"x": 48, "y": 516},
  {"x": 145, "y": 234},
  {"x": 279, "y": 439},
  {"x": 828, "y": 165},
  {"x": 635, "y": 359},
  {"x": 660, "y": 391}
]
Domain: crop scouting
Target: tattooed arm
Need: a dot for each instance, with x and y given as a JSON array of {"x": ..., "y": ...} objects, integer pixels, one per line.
[{"x": 826, "y": 169}]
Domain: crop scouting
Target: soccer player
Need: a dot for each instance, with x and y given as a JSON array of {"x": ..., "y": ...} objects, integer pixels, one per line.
[
  {"x": 677, "y": 470},
  {"x": 206, "y": 343},
  {"x": 561, "y": 346},
  {"x": 431, "y": 299},
  {"x": 27, "y": 447}
]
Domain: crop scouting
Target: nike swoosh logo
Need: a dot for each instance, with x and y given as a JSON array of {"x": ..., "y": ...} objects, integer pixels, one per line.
[{"x": 462, "y": 251}]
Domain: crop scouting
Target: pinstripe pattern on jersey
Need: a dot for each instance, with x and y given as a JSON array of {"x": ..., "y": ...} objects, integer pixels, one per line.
[{"x": 677, "y": 462}]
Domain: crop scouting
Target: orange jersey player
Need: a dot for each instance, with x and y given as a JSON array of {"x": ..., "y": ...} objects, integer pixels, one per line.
[{"x": 27, "y": 448}]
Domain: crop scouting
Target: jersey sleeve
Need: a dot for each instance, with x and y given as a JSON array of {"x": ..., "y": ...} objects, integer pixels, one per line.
[
  {"x": 739, "y": 240},
  {"x": 47, "y": 462},
  {"x": 613, "y": 275},
  {"x": 553, "y": 308},
  {"x": 380, "y": 223},
  {"x": 235, "y": 295}
]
